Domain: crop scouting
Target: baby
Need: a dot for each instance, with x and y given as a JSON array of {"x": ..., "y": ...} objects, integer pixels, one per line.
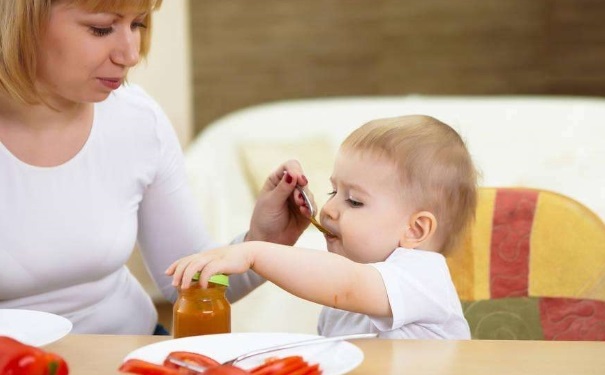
[{"x": 403, "y": 192}]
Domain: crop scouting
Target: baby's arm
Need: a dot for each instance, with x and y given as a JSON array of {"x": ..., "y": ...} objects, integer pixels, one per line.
[{"x": 318, "y": 276}]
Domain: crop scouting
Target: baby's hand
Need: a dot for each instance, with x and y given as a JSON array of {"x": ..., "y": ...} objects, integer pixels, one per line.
[{"x": 227, "y": 260}]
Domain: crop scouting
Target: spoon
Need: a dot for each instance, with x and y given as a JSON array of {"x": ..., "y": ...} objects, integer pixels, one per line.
[
  {"x": 314, "y": 221},
  {"x": 314, "y": 341}
]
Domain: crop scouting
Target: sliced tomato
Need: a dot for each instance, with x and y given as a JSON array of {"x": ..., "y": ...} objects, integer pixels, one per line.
[
  {"x": 308, "y": 370},
  {"x": 138, "y": 366},
  {"x": 292, "y": 367},
  {"x": 190, "y": 357},
  {"x": 275, "y": 366},
  {"x": 225, "y": 370}
]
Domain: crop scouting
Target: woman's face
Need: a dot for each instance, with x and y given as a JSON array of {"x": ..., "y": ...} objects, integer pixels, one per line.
[{"x": 83, "y": 55}]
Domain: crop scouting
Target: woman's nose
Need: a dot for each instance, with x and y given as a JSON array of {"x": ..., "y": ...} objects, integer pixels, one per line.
[{"x": 126, "y": 52}]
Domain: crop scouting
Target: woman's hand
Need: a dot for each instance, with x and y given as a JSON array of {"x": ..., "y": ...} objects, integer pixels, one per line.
[{"x": 278, "y": 213}]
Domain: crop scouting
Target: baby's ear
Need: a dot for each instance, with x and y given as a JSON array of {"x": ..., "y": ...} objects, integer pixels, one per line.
[{"x": 421, "y": 227}]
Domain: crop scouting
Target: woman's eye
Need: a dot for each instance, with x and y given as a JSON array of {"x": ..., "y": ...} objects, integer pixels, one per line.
[
  {"x": 101, "y": 31},
  {"x": 354, "y": 203},
  {"x": 138, "y": 25}
]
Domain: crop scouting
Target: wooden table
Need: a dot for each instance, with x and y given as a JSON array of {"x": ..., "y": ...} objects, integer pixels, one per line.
[{"x": 102, "y": 354}]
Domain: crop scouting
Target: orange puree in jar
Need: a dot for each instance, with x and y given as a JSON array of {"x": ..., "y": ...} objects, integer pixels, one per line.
[{"x": 200, "y": 311}]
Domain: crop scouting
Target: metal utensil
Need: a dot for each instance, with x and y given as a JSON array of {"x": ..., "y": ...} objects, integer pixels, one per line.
[
  {"x": 314, "y": 341},
  {"x": 312, "y": 212}
]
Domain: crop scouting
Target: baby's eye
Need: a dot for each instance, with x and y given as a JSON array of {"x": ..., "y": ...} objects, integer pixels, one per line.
[
  {"x": 332, "y": 193},
  {"x": 354, "y": 203}
]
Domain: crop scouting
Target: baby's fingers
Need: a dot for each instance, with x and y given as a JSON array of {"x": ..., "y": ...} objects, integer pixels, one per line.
[
  {"x": 170, "y": 270},
  {"x": 196, "y": 264},
  {"x": 178, "y": 268},
  {"x": 188, "y": 274},
  {"x": 177, "y": 272},
  {"x": 209, "y": 270}
]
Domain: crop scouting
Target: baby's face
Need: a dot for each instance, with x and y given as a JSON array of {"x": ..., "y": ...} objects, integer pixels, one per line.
[{"x": 366, "y": 211}]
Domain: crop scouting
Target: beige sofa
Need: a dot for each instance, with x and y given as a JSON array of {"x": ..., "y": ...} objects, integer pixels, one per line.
[{"x": 553, "y": 143}]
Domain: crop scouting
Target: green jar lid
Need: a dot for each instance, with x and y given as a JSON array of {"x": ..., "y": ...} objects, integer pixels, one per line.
[
  {"x": 219, "y": 279},
  {"x": 216, "y": 279}
]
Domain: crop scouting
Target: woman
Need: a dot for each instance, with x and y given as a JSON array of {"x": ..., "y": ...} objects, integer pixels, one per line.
[{"x": 89, "y": 165}]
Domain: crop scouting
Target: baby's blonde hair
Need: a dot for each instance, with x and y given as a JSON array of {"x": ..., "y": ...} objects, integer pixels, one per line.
[
  {"x": 22, "y": 23},
  {"x": 435, "y": 168}
]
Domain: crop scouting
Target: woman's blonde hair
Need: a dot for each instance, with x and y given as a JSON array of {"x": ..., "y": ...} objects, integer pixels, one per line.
[
  {"x": 434, "y": 165},
  {"x": 22, "y": 22}
]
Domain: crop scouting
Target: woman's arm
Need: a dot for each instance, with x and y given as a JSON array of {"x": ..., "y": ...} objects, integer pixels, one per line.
[{"x": 171, "y": 227}]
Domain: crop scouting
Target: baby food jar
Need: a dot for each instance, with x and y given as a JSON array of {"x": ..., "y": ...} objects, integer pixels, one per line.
[{"x": 200, "y": 311}]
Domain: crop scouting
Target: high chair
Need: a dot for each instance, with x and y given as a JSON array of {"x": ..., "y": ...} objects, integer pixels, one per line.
[{"x": 532, "y": 267}]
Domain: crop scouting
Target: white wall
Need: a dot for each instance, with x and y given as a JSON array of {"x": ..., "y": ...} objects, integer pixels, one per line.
[{"x": 166, "y": 75}]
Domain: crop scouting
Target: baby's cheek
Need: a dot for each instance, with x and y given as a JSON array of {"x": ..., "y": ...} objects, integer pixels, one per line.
[
  {"x": 360, "y": 248},
  {"x": 375, "y": 248}
]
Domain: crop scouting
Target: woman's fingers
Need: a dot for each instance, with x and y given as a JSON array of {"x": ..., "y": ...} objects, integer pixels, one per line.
[
  {"x": 291, "y": 170},
  {"x": 307, "y": 205},
  {"x": 294, "y": 169},
  {"x": 285, "y": 187}
]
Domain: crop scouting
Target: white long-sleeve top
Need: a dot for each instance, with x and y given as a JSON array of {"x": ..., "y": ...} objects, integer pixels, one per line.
[{"x": 66, "y": 232}]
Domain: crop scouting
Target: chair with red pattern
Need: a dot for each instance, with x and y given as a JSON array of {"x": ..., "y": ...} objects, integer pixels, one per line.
[{"x": 532, "y": 267}]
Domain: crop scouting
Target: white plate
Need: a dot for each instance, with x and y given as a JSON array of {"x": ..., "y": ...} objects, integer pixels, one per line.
[
  {"x": 334, "y": 358},
  {"x": 34, "y": 328}
]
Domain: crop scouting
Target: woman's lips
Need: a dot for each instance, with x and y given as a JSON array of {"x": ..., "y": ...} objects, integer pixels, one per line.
[{"x": 112, "y": 83}]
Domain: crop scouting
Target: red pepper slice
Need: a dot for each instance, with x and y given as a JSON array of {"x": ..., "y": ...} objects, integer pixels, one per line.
[
  {"x": 56, "y": 364},
  {"x": 292, "y": 367},
  {"x": 17, "y": 358},
  {"x": 138, "y": 366},
  {"x": 190, "y": 357},
  {"x": 225, "y": 370},
  {"x": 276, "y": 365},
  {"x": 308, "y": 370}
]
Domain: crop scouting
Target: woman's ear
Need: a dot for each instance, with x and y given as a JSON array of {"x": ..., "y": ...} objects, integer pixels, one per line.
[{"x": 421, "y": 227}]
